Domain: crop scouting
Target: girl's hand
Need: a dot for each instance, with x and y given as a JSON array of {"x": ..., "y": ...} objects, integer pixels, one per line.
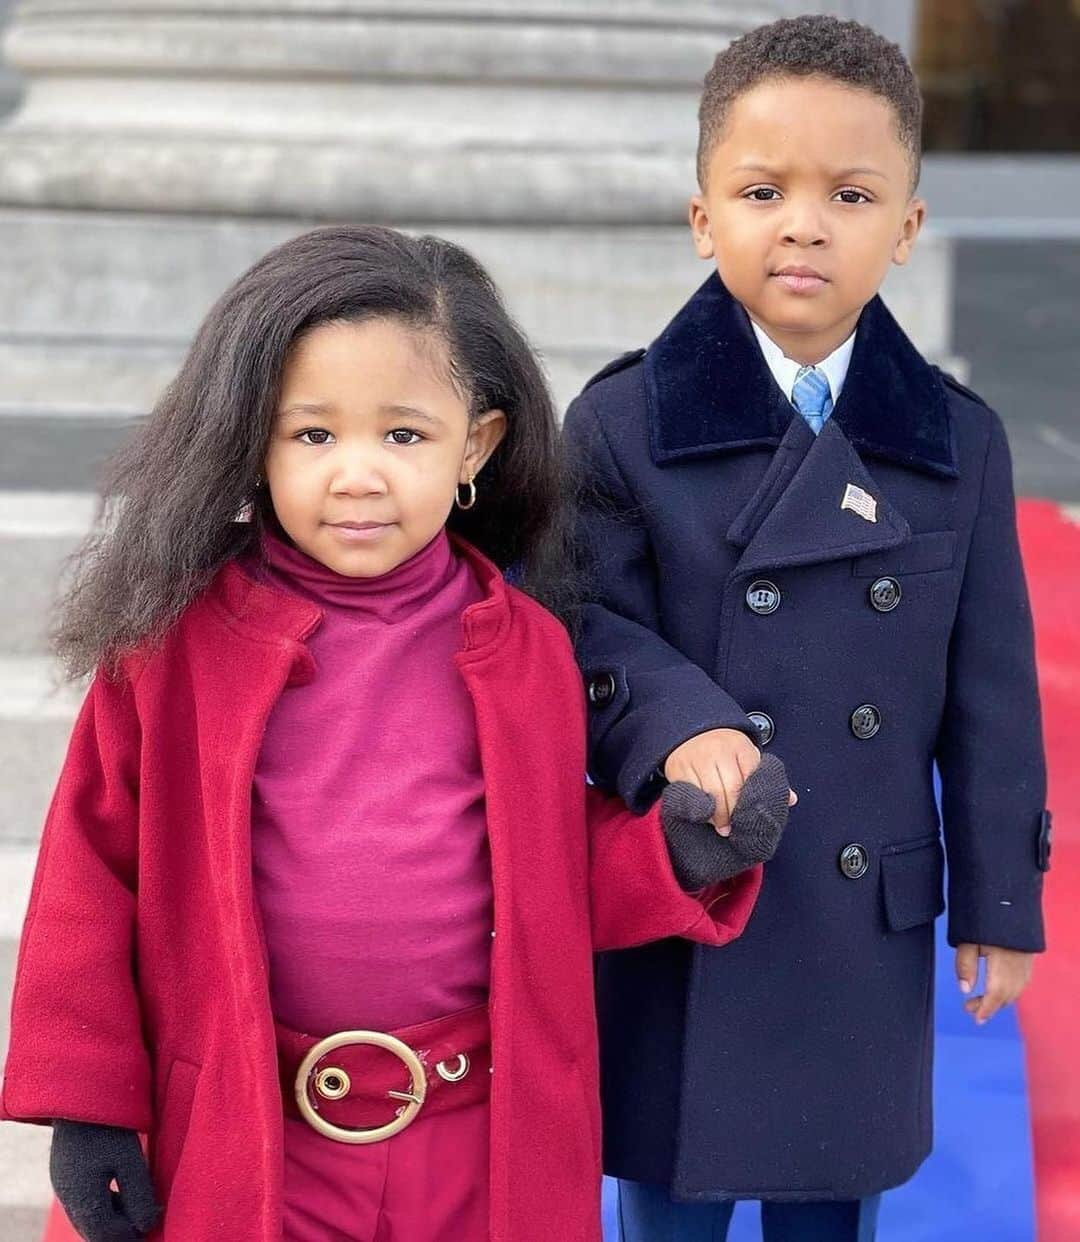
[
  {"x": 1008, "y": 972},
  {"x": 83, "y": 1162},
  {"x": 719, "y": 762},
  {"x": 701, "y": 858}
]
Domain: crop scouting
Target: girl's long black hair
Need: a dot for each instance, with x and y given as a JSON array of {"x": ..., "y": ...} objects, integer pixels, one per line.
[{"x": 165, "y": 525}]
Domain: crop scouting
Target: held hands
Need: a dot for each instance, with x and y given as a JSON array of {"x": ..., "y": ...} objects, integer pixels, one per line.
[
  {"x": 84, "y": 1160},
  {"x": 1008, "y": 972},
  {"x": 700, "y": 856},
  {"x": 719, "y": 762}
]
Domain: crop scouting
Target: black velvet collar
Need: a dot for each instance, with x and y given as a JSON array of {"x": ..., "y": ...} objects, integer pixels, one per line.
[{"x": 710, "y": 389}]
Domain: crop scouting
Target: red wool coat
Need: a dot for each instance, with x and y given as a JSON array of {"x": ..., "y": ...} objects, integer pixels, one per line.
[{"x": 141, "y": 995}]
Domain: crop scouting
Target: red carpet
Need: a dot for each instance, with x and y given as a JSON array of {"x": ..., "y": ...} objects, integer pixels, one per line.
[{"x": 1050, "y": 1010}]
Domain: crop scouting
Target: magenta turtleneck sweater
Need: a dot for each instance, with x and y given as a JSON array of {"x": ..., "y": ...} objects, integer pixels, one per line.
[{"x": 370, "y": 852}]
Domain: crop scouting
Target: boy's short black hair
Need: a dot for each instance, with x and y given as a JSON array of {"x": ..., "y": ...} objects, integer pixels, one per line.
[{"x": 843, "y": 51}]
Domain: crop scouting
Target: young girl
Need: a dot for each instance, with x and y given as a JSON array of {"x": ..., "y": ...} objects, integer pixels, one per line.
[{"x": 321, "y": 880}]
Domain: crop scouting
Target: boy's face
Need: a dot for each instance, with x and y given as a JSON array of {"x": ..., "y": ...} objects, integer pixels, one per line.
[{"x": 808, "y": 200}]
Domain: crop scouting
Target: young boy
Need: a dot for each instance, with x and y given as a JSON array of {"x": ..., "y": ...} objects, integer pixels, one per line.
[{"x": 803, "y": 538}]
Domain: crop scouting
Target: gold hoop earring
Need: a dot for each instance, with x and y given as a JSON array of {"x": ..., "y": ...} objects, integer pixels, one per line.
[{"x": 472, "y": 493}]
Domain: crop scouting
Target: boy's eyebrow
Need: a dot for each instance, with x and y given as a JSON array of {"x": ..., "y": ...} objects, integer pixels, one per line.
[{"x": 838, "y": 175}]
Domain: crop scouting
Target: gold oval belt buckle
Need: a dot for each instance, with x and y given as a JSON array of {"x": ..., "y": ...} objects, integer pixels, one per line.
[{"x": 330, "y": 1081}]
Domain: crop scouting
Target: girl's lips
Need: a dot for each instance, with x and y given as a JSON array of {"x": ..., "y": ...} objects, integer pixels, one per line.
[
  {"x": 799, "y": 282},
  {"x": 359, "y": 534}
]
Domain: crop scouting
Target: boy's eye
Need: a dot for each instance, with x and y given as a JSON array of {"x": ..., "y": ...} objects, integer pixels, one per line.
[
  {"x": 318, "y": 435},
  {"x": 762, "y": 194},
  {"x": 403, "y": 435},
  {"x": 852, "y": 196}
]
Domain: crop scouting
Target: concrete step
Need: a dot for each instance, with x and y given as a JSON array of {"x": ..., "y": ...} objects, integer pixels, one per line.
[
  {"x": 38, "y": 532},
  {"x": 24, "y": 1150},
  {"x": 36, "y": 715}
]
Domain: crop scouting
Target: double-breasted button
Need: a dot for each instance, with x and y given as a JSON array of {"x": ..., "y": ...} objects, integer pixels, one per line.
[
  {"x": 854, "y": 861},
  {"x": 764, "y": 725},
  {"x": 601, "y": 689},
  {"x": 1045, "y": 841},
  {"x": 885, "y": 594},
  {"x": 763, "y": 597},
  {"x": 865, "y": 721}
]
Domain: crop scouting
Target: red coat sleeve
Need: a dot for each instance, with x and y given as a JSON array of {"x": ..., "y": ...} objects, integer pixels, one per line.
[
  {"x": 635, "y": 896},
  {"x": 76, "y": 1048}
]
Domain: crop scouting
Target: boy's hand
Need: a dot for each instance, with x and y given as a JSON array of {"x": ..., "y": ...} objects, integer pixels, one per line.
[
  {"x": 719, "y": 762},
  {"x": 1008, "y": 972}
]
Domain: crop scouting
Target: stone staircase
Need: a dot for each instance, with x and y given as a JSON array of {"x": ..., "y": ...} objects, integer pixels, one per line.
[{"x": 37, "y": 532}]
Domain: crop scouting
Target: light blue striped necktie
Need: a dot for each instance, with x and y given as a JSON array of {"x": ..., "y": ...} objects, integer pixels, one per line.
[{"x": 812, "y": 397}]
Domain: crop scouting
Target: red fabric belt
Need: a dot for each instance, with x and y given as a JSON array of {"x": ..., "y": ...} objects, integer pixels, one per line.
[{"x": 455, "y": 1052}]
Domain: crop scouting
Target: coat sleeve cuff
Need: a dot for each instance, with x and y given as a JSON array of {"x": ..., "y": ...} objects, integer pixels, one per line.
[
  {"x": 658, "y": 908},
  {"x": 109, "y": 1095}
]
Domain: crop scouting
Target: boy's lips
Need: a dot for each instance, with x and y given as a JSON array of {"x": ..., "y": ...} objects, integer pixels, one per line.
[{"x": 800, "y": 279}]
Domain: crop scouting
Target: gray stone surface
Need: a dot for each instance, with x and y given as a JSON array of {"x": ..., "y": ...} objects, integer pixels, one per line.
[
  {"x": 550, "y": 112},
  {"x": 1017, "y": 322},
  {"x": 35, "y": 722}
]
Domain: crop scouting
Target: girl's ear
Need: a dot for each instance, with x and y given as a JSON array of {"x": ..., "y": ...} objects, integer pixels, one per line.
[{"x": 486, "y": 432}]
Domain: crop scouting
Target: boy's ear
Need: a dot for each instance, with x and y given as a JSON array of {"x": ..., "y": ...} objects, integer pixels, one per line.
[
  {"x": 909, "y": 230},
  {"x": 700, "y": 228},
  {"x": 486, "y": 433}
]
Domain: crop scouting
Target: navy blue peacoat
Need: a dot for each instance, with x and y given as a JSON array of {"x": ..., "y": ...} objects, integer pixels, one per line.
[{"x": 856, "y": 602}]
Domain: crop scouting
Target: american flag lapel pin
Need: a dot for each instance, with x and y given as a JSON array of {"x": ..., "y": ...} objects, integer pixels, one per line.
[{"x": 859, "y": 502}]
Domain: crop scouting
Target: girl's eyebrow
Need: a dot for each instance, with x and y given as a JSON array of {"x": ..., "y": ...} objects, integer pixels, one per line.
[
  {"x": 307, "y": 409},
  {"x": 410, "y": 411}
]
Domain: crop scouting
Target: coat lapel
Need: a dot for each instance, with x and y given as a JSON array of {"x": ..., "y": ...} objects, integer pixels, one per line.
[
  {"x": 710, "y": 391},
  {"x": 817, "y": 502}
]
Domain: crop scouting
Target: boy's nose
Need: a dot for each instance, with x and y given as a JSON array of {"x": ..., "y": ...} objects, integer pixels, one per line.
[{"x": 804, "y": 227}]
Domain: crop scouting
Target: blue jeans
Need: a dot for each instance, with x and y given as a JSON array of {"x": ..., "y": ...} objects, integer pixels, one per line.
[{"x": 648, "y": 1214}]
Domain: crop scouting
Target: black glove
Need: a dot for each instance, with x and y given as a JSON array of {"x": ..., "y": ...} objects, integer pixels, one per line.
[
  {"x": 699, "y": 855},
  {"x": 83, "y": 1161}
]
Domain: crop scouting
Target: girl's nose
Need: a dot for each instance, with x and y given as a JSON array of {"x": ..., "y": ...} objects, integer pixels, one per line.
[{"x": 356, "y": 474}]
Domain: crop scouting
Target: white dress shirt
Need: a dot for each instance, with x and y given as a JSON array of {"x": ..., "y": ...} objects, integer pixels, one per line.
[{"x": 786, "y": 370}]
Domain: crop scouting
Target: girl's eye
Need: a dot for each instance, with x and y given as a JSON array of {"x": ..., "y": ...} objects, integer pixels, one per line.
[
  {"x": 319, "y": 435},
  {"x": 852, "y": 196},
  {"x": 403, "y": 435},
  {"x": 763, "y": 194}
]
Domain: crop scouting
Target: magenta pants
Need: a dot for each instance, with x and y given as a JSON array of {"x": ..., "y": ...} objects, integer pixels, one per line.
[{"x": 426, "y": 1184}]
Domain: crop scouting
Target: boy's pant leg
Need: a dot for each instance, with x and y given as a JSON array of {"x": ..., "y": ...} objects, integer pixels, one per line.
[
  {"x": 648, "y": 1214},
  {"x": 853, "y": 1220}
]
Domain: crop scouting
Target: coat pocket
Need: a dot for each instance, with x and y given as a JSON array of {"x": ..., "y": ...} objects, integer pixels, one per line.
[
  {"x": 912, "y": 882},
  {"x": 171, "y": 1123},
  {"x": 922, "y": 554}
]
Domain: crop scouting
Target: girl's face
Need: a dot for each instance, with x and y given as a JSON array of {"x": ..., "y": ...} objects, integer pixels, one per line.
[{"x": 369, "y": 443}]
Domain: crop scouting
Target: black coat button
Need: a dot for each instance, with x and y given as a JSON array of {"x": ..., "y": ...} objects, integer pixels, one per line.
[
  {"x": 885, "y": 594},
  {"x": 763, "y": 597},
  {"x": 601, "y": 689},
  {"x": 854, "y": 861},
  {"x": 1046, "y": 841},
  {"x": 865, "y": 721},
  {"x": 764, "y": 726}
]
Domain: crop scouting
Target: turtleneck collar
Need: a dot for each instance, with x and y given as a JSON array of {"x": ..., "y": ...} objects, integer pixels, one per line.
[{"x": 388, "y": 598}]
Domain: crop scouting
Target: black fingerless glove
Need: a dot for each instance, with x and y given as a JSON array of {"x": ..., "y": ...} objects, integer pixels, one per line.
[
  {"x": 699, "y": 855},
  {"x": 83, "y": 1161}
]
